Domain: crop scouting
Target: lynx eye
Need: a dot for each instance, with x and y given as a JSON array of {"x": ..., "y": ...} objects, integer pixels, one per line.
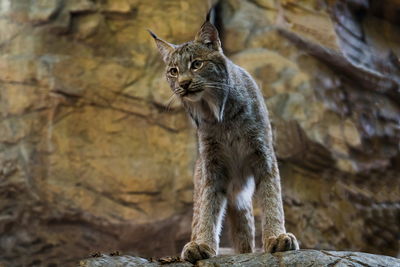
[
  {"x": 197, "y": 64},
  {"x": 173, "y": 72}
]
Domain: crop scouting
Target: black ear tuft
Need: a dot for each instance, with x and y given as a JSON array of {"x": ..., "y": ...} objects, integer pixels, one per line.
[
  {"x": 164, "y": 47},
  {"x": 208, "y": 33},
  {"x": 152, "y": 34},
  {"x": 208, "y": 17}
]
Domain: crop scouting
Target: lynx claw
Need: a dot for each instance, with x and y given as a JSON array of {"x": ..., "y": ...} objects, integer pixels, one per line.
[
  {"x": 193, "y": 252},
  {"x": 283, "y": 242}
]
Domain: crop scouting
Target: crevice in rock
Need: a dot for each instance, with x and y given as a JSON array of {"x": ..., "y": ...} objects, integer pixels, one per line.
[
  {"x": 148, "y": 119},
  {"x": 107, "y": 195},
  {"x": 368, "y": 79},
  {"x": 347, "y": 257}
]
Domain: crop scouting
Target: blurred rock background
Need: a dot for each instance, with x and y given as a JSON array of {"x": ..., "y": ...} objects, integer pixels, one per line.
[{"x": 92, "y": 160}]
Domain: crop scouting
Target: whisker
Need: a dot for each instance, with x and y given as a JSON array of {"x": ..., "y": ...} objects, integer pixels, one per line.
[
  {"x": 179, "y": 92},
  {"x": 171, "y": 96},
  {"x": 214, "y": 87},
  {"x": 196, "y": 86},
  {"x": 217, "y": 84},
  {"x": 170, "y": 104},
  {"x": 170, "y": 101},
  {"x": 210, "y": 85}
]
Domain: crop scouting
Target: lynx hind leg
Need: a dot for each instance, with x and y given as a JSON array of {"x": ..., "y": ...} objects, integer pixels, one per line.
[{"x": 241, "y": 224}]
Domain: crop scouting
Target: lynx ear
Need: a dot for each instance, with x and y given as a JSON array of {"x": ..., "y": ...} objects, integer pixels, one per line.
[
  {"x": 208, "y": 34},
  {"x": 164, "y": 47}
]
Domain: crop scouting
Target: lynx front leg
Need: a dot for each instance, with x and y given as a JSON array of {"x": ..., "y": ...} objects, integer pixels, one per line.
[
  {"x": 205, "y": 237},
  {"x": 269, "y": 197},
  {"x": 196, "y": 198},
  {"x": 209, "y": 205}
]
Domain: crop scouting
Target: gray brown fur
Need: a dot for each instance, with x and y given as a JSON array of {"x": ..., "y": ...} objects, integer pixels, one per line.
[{"x": 236, "y": 156}]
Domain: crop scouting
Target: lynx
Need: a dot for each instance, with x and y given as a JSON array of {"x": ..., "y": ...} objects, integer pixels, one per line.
[{"x": 236, "y": 159}]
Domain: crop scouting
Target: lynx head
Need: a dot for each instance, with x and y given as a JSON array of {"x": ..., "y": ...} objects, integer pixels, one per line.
[{"x": 196, "y": 70}]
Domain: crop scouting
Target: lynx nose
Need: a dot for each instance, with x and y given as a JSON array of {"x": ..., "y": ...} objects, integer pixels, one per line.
[{"x": 185, "y": 84}]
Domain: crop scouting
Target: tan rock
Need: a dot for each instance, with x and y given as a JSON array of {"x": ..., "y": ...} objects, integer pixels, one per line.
[
  {"x": 78, "y": 6},
  {"x": 346, "y": 165},
  {"x": 91, "y": 158},
  {"x": 337, "y": 140},
  {"x": 8, "y": 30},
  {"x": 17, "y": 69},
  {"x": 87, "y": 25},
  {"x": 41, "y": 11},
  {"x": 351, "y": 133},
  {"x": 18, "y": 99},
  {"x": 119, "y": 6}
]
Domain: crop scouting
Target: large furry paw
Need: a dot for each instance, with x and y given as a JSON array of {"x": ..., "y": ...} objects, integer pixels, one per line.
[
  {"x": 193, "y": 252},
  {"x": 283, "y": 242}
]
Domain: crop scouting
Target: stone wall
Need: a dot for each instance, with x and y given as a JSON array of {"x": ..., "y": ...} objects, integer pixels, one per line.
[{"x": 93, "y": 159}]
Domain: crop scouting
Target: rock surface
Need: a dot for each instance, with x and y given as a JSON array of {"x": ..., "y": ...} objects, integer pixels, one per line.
[
  {"x": 93, "y": 159},
  {"x": 292, "y": 258}
]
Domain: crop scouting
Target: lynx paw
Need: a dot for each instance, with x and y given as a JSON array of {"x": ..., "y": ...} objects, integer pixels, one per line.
[
  {"x": 193, "y": 252},
  {"x": 283, "y": 242}
]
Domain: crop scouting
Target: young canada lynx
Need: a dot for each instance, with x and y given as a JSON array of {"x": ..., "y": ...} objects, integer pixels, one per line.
[{"x": 236, "y": 157}]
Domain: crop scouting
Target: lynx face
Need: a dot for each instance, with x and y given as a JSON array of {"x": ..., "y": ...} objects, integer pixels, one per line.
[{"x": 196, "y": 70}]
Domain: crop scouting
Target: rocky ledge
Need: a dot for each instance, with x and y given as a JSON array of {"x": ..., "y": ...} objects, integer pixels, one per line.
[{"x": 290, "y": 258}]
